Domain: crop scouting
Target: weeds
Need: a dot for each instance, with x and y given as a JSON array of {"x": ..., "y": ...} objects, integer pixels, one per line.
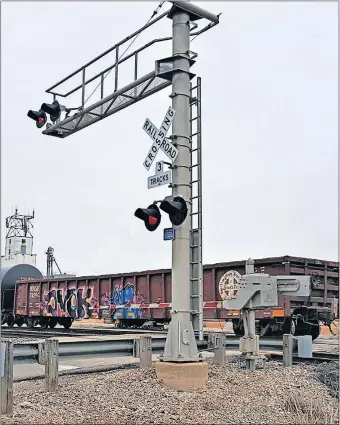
[{"x": 309, "y": 412}]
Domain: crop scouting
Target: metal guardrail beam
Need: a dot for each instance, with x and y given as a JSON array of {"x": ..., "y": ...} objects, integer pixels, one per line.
[{"x": 27, "y": 352}]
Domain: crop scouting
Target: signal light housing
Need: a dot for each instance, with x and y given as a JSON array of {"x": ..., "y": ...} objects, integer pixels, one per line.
[
  {"x": 176, "y": 208},
  {"x": 39, "y": 117},
  {"x": 53, "y": 109},
  {"x": 151, "y": 216}
]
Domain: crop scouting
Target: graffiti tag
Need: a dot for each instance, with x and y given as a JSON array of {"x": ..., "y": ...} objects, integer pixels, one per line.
[{"x": 76, "y": 303}]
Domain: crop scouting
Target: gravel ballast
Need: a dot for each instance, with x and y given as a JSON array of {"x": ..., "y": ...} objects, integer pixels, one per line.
[{"x": 275, "y": 395}]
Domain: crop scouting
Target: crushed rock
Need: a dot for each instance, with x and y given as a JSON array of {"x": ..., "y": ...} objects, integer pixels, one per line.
[{"x": 275, "y": 395}]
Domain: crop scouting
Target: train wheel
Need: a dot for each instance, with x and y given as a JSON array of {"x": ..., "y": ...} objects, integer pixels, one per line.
[
  {"x": 303, "y": 328},
  {"x": 66, "y": 322},
  {"x": 315, "y": 329},
  {"x": 10, "y": 321},
  {"x": 288, "y": 326},
  {"x": 20, "y": 322},
  {"x": 43, "y": 322},
  {"x": 53, "y": 323}
]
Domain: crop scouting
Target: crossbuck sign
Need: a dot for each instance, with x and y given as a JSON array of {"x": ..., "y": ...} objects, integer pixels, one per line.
[{"x": 159, "y": 140}]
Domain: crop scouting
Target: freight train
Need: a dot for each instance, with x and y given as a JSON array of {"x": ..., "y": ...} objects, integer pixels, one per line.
[{"x": 142, "y": 298}]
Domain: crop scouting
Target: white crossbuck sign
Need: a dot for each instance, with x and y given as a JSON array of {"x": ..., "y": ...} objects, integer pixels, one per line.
[{"x": 160, "y": 142}]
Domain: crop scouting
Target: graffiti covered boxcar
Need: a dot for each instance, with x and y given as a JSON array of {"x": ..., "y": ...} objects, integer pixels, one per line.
[{"x": 131, "y": 299}]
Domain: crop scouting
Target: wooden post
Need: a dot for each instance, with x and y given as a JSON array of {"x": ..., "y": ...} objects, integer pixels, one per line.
[
  {"x": 7, "y": 378},
  {"x": 287, "y": 350},
  {"x": 219, "y": 348},
  {"x": 145, "y": 351},
  {"x": 51, "y": 364}
]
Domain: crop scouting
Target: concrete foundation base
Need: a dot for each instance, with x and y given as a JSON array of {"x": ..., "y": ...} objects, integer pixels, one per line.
[{"x": 183, "y": 376}]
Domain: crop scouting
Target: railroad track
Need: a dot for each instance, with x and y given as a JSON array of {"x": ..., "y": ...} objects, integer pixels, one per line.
[
  {"x": 81, "y": 332},
  {"x": 318, "y": 357},
  {"x": 44, "y": 333}
]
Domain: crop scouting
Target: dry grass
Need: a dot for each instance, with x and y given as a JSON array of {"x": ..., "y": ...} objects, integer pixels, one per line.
[
  {"x": 328, "y": 374},
  {"x": 307, "y": 411}
]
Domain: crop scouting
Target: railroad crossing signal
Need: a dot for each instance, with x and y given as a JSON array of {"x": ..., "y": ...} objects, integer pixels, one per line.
[
  {"x": 159, "y": 140},
  {"x": 150, "y": 215},
  {"x": 177, "y": 209},
  {"x": 53, "y": 109},
  {"x": 39, "y": 117}
]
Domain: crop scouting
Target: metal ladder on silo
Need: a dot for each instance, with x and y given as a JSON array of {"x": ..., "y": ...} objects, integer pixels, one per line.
[{"x": 196, "y": 266}]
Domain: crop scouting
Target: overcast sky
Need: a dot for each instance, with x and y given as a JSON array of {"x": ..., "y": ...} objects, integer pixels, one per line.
[{"x": 270, "y": 151}]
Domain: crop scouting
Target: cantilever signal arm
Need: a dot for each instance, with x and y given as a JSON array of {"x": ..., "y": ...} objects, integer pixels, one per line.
[{"x": 257, "y": 291}]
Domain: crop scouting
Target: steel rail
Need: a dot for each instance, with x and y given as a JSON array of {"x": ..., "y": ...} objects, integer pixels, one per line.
[
  {"x": 75, "y": 332},
  {"x": 41, "y": 333},
  {"x": 318, "y": 357}
]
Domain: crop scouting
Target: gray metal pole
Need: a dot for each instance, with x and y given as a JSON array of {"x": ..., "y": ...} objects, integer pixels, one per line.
[{"x": 181, "y": 343}]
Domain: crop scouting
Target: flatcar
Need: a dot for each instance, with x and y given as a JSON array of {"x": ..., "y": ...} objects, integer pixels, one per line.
[{"x": 142, "y": 298}]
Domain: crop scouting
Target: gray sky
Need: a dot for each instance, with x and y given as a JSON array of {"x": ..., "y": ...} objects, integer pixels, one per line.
[{"x": 269, "y": 87}]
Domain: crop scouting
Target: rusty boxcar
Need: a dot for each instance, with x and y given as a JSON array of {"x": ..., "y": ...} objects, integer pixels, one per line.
[{"x": 132, "y": 299}]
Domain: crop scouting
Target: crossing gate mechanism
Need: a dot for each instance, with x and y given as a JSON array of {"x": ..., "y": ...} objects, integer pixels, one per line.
[{"x": 255, "y": 291}]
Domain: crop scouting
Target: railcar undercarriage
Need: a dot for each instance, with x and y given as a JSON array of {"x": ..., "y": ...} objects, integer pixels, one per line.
[
  {"x": 44, "y": 322},
  {"x": 303, "y": 321}
]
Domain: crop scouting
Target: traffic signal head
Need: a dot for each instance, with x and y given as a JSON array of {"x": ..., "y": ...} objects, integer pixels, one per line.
[
  {"x": 53, "y": 109},
  {"x": 38, "y": 116},
  {"x": 176, "y": 208},
  {"x": 150, "y": 215}
]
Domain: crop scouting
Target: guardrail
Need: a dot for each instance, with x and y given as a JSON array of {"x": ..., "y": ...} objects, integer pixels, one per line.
[{"x": 31, "y": 352}]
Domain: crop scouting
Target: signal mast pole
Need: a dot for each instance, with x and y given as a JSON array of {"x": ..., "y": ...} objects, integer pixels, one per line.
[
  {"x": 181, "y": 344},
  {"x": 177, "y": 347}
]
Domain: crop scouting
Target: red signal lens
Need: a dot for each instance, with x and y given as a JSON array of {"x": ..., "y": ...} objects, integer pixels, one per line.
[
  {"x": 41, "y": 119},
  {"x": 153, "y": 220}
]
